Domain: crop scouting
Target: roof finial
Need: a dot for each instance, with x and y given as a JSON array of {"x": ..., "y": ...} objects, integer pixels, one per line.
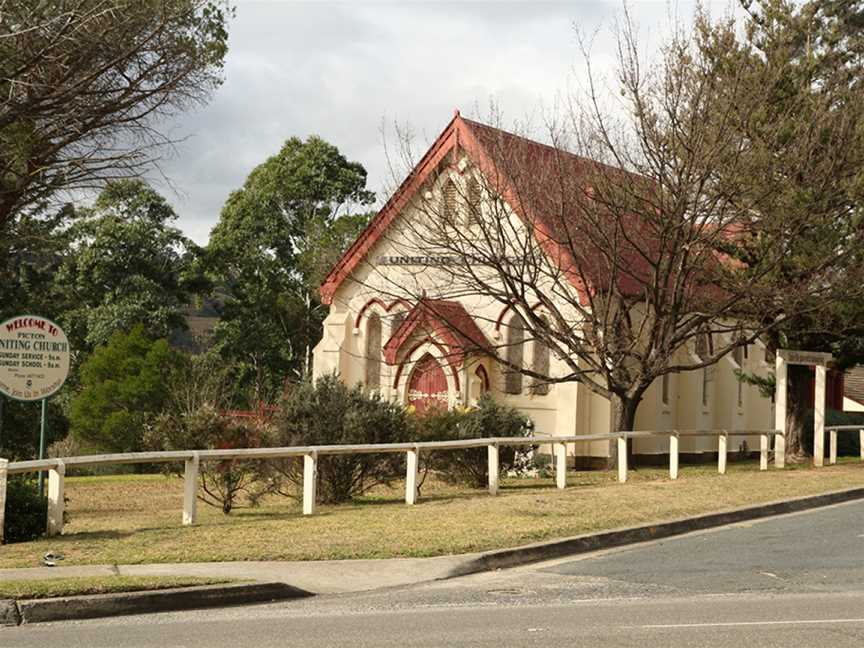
[{"x": 456, "y": 112}]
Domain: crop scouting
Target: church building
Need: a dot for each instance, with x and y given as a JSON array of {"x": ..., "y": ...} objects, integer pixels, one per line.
[{"x": 399, "y": 326}]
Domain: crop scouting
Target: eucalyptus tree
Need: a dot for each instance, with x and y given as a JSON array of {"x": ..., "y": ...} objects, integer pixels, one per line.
[
  {"x": 127, "y": 264},
  {"x": 276, "y": 235},
  {"x": 801, "y": 171}
]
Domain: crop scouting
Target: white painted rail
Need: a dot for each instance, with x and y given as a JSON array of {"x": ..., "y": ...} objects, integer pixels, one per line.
[
  {"x": 832, "y": 431},
  {"x": 192, "y": 459}
]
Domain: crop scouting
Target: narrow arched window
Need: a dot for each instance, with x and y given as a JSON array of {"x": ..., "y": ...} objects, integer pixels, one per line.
[
  {"x": 540, "y": 365},
  {"x": 483, "y": 378},
  {"x": 515, "y": 355},
  {"x": 373, "y": 352}
]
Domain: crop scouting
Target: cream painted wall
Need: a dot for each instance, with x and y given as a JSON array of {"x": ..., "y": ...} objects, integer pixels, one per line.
[{"x": 567, "y": 408}]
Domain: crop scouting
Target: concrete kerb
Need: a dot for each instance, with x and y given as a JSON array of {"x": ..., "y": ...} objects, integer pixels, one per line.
[
  {"x": 117, "y": 604},
  {"x": 542, "y": 551}
]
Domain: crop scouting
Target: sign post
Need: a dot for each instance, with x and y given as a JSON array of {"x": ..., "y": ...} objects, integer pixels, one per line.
[{"x": 34, "y": 364}]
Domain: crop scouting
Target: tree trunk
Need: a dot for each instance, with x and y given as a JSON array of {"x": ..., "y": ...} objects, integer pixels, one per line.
[
  {"x": 623, "y": 418},
  {"x": 797, "y": 397}
]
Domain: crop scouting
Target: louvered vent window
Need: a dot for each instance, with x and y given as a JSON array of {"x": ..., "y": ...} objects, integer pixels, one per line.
[
  {"x": 450, "y": 202},
  {"x": 474, "y": 196}
]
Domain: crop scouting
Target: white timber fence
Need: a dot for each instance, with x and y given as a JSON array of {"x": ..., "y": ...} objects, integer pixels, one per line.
[
  {"x": 192, "y": 458},
  {"x": 832, "y": 431}
]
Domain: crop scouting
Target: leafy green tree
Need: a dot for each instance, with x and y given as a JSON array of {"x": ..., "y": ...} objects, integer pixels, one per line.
[
  {"x": 31, "y": 250},
  {"x": 274, "y": 238},
  {"x": 128, "y": 264},
  {"x": 800, "y": 172},
  {"x": 82, "y": 83},
  {"x": 124, "y": 385}
]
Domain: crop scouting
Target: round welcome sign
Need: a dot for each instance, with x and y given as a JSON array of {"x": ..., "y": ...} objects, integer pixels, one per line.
[{"x": 34, "y": 357}]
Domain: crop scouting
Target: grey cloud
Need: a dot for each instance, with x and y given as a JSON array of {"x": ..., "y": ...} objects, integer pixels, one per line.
[{"x": 339, "y": 69}]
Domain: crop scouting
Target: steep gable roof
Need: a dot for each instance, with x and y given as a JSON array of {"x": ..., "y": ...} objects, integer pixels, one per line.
[
  {"x": 500, "y": 156},
  {"x": 450, "y": 322}
]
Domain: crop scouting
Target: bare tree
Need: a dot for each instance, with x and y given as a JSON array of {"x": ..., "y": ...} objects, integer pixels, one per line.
[
  {"x": 615, "y": 242},
  {"x": 83, "y": 81}
]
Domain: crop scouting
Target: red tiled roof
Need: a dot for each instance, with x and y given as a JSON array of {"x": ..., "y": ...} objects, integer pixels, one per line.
[{"x": 450, "y": 322}]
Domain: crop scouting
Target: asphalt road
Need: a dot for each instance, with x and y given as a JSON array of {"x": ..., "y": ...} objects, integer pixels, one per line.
[{"x": 791, "y": 581}]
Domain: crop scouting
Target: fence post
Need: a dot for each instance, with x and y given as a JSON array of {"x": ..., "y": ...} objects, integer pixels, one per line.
[
  {"x": 779, "y": 450},
  {"x": 622, "y": 458},
  {"x": 4, "y": 474},
  {"x": 763, "y": 452},
  {"x": 560, "y": 465},
  {"x": 310, "y": 481},
  {"x": 190, "y": 490},
  {"x": 819, "y": 419},
  {"x": 832, "y": 447},
  {"x": 780, "y": 373},
  {"x": 722, "y": 449},
  {"x": 492, "y": 453},
  {"x": 861, "y": 443},
  {"x": 673, "y": 455},
  {"x": 412, "y": 467},
  {"x": 56, "y": 501}
]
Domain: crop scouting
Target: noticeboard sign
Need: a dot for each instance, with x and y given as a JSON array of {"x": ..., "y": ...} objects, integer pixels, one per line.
[{"x": 34, "y": 357}]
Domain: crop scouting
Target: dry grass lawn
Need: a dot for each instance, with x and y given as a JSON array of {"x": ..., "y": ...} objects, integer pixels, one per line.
[
  {"x": 136, "y": 519},
  {"x": 56, "y": 587}
]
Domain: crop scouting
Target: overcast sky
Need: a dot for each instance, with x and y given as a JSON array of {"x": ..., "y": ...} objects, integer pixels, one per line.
[{"x": 342, "y": 69}]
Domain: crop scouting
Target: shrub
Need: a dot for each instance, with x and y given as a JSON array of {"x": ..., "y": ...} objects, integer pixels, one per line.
[
  {"x": 329, "y": 412},
  {"x": 69, "y": 446},
  {"x": 191, "y": 420},
  {"x": 123, "y": 387},
  {"x": 198, "y": 389},
  {"x": 471, "y": 466},
  {"x": 222, "y": 482},
  {"x": 26, "y": 512}
]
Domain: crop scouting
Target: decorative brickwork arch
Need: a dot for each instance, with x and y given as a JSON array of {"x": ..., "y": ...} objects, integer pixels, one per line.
[{"x": 405, "y": 373}]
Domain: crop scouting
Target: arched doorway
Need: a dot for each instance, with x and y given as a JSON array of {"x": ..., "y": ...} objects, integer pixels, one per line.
[{"x": 427, "y": 386}]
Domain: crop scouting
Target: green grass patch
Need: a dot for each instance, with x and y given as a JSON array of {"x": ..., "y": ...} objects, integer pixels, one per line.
[
  {"x": 137, "y": 519},
  {"x": 56, "y": 587}
]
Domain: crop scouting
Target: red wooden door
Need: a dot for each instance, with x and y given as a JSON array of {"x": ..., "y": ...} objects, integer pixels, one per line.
[{"x": 427, "y": 386}]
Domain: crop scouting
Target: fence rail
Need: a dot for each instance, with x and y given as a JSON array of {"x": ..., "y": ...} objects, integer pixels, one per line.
[
  {"x": 832, "y": 440},
  {"x": 192, "y": 458}
]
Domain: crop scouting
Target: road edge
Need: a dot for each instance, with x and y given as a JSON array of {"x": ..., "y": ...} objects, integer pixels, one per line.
[
  {"x": 589, "y": 542},
  {"x": 71, "y": 608}
]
